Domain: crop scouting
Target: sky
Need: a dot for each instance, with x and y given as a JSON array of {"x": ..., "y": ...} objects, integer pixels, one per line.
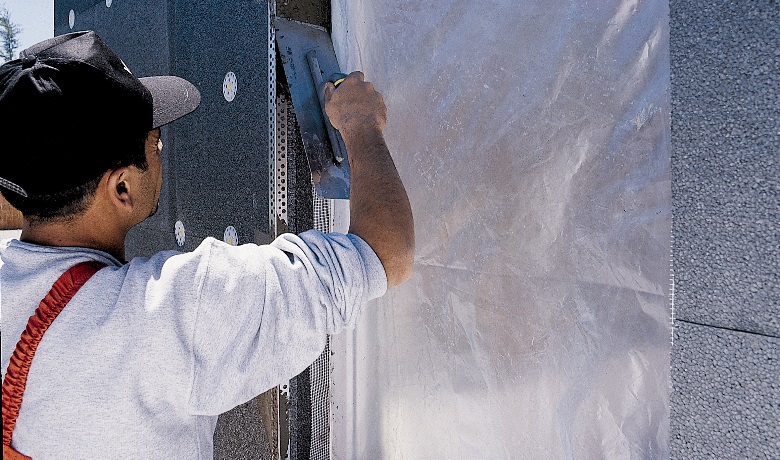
[{"x": 35, "y": 17}]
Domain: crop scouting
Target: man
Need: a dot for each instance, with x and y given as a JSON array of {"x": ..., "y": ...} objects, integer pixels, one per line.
[{"x": 148, "y": 352}]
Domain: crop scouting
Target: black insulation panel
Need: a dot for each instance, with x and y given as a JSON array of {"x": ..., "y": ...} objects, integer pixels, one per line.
[{"x": 215, "y": 160}]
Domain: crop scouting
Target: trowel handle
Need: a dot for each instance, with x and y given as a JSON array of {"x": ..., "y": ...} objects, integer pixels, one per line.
[
  {"x": 339, "y": 150},
  {"x": 337, "y": 78}
]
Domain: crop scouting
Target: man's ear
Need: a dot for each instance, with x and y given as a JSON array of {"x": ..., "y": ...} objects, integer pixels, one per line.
[{"x": 119, "y": 188}]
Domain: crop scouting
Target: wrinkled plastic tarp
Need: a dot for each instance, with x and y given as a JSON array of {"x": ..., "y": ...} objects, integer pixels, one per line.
[{"x": 534, "y": 140}]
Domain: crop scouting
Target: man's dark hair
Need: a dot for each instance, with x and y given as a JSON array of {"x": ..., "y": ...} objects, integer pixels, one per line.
[{"x": 67, "y": 204}]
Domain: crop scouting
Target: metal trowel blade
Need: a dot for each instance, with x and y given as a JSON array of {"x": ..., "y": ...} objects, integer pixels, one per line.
[{"x": 294, "y": 40}]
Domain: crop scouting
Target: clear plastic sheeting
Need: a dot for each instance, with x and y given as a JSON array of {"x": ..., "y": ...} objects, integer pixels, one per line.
[{"x": 534, "y": 140}]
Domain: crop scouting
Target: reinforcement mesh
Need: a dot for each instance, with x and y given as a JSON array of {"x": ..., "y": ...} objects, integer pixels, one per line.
[
  {"x": 319, "y": 372},
  {"x": 309, "y": 396}
]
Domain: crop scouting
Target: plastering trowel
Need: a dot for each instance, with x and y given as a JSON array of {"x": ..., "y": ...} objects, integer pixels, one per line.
[{"x": 309, "y": 61}]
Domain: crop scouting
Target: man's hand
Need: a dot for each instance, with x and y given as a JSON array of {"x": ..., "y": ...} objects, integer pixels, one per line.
[
  {"x": 356, "y": 106},
  {"x": 380, "y": 212}
]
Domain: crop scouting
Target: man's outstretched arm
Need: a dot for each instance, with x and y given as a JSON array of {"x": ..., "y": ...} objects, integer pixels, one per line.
[{"x": 380, "y": 212}]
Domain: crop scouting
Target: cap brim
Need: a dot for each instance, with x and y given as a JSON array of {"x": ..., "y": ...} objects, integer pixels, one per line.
[{"x": 173, "y": 98}]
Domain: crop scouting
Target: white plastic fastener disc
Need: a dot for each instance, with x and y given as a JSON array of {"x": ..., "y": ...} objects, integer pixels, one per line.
[
  {"x": 71, "y": 18},
  {"x": 108, "y": 3},
  {"x": 230, "y": 86},
  {"x": 180, "y": 234},
  {"x": 231, "y": 236}
]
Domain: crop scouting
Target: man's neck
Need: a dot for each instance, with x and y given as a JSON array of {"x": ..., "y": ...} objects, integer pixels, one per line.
[{"x": 82, "y": 231}]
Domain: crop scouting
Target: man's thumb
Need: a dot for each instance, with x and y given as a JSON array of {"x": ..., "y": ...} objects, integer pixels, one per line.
[{"x": 329, "y": 88}]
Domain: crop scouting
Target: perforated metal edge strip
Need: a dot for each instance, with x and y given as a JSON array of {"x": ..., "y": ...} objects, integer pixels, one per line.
[
  {"x": 277, "y": 201},
  {"x": 323, "y": 221},
  {"x": 273, "y": 133},
  {"x": 281, "y": 173}
]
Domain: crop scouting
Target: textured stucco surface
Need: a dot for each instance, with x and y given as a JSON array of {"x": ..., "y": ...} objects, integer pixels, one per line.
[
  {"x": 725, "y": 59},
  {"x": 726, "y": 171},
  {"x": 727, "y": 398}
]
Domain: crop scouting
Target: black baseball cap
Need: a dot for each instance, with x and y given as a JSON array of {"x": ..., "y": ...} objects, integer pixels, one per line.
[{"x": 70, "y": 110}]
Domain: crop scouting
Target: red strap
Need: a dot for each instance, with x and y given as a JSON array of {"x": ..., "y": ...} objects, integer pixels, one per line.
[
  {"x": 10, "y": 454},
  {"x": 16, "y": 375}
]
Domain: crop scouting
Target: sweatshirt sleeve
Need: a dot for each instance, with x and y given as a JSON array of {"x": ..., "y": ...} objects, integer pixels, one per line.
[{"x": 264, "y": 312}]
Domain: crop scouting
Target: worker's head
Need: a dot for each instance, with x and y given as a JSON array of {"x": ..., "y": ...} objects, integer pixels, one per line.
[{"x": 71, "y": 112}]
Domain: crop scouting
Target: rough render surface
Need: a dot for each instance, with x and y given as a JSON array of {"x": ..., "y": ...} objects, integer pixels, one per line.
[{"x": 241, "y": 434}]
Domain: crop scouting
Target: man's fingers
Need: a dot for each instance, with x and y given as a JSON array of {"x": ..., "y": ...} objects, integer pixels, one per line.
[{"x": 354, "y": 75}]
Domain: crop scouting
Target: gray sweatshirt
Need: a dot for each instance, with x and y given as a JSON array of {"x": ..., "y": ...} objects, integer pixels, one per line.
[{"x": 147, "y": 354}]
